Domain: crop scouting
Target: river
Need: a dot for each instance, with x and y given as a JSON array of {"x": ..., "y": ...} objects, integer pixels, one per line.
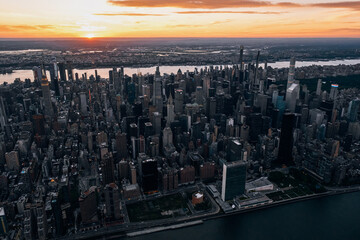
[
  {"x": 104, "y": 72},
  {"x": 330, "y": 218}
]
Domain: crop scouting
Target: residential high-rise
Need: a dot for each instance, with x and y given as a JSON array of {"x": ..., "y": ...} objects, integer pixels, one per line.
[
  {"x": 112, "y": 201},
  {"x": 291, "y": 76},
  {"x": 88, "y": 206},
  {"x": 234, "y": 179},
  {"x": 12, "y": 160},
  {"x": 241, "y": 57},
  {"x": 292, "y": 94},
  {"x": 286, "y": 139},
  {"x": 108, "y": 169}
]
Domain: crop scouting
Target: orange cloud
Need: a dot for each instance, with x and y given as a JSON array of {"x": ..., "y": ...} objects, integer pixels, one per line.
[
  {"x": 19, "y": 28},
  {"x": 224, "y": 12},
  {"x": 215, "y": 4},
  {"x": 206, "y": 4},
  {"x": 352, "y": 5},
  {"x": 129, "y": 14}
]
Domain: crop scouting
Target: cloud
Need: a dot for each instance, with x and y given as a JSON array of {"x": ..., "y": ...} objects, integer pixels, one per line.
[
  {"x": 355, "y": 5},
  {"x": 198, "y": 25},
  {"x": 225, "y": 12},
  {"x": 199, "y": 4},
  {"x": 129, "y": 14},
  {"x": 215, "y": 4},
  {"x": 19, "y": 28}
]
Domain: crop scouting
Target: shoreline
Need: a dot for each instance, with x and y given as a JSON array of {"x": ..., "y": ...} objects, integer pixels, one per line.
[
  {"x": 182, "y": 223},
  {"x": 186, "y": 64}
]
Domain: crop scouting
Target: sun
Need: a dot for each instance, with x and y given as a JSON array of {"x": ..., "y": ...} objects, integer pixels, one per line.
[{"x": 90, "y": 35}]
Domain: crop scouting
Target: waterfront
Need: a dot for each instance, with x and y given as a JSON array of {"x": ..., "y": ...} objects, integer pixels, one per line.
[
  {"x": 104, "y": 72},
  {"x": 333, "y": 217}
]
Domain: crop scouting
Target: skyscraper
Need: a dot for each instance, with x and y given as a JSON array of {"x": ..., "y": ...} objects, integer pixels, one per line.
[
  {"x": 3, "y": 223},
  {"x": 62, "y": 70},
  {"x": 170, "y": 110},
  {"x": 286, "y": 139},
  {"x": 112, "y": 201},
  {"x": 353, "y": 110},
  {"x": 3, "y": 117},
  {"x": 233, "y": 181},
  {"x": 149, "y": 175},
  {"x": 241, "y": 57},
  {"x": 46, "y": 94},
  {"x": 318, "y": 88},
  {"x": 291, "y": 76},
  {"x": 108, "y": 169},
  {"x": 292, "y": 94}
]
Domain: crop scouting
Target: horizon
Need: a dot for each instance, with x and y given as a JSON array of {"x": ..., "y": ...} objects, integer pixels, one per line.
[{"x": 179, "y": 19}]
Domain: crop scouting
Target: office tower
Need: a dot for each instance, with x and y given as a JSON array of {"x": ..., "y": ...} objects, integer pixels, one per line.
[
  {"x": 318, "y": 88},
  {"x": 88, "y": 206},
  {"x": 262, "y": 102},
  {"x": 256, "y": 82},
  {"x": 149, "y": 175},
  {"x": 233, "y": 180},
  {"x": 3, "y": 223},
  {"x": 46, "y": 94},
  {"x": 121, "y": 145},
  {"x": 157, "y": 72},
  {"x": 206, "y": 85},
  {"x": 255, "y": 126},
  {"x": 62, "y": 70},
  {"x": 131, "y": 92},
  {"x": 3, "y": 116},
  {"x": 292, "y": 94},
  {"x": 291, "y": 76},
  {"x": 157, "y": 122},
  {"x": 12, "y": 160},
  {"x": 167, "y": 137},
  {"x": 234, "y": 151},
  {"x": 112, "y": 201},
  {"x": 199, "y": 95},
  {"x": 157, "y": 95},
  {"x": 170, "y": 110},
  {"x": 286, "y": 139},
  {"x": 142, "y": 145},
  {"x": 108, "y": 169},
  {"x": 179, "y": 101},
  {"x": 334, "y": 91},
  {"x": 353, "y": 110},
  {"x": 241, "y": 57},
  {"x": 70, "y": 71},
  {"x": 54, "y": 76},
  {"x": 83, "y": 104},
  {"x": 244, "y": 132}
]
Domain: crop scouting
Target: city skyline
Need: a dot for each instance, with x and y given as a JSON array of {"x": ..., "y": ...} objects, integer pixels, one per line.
[{"x": 207, "y": 18}]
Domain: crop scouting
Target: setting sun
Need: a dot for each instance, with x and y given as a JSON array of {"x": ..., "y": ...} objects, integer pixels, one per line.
[{"x": 90, "y": 35}]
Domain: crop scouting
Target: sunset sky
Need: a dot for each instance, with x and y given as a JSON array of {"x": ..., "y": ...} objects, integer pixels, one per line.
[{"x": 178, "y": 18}]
